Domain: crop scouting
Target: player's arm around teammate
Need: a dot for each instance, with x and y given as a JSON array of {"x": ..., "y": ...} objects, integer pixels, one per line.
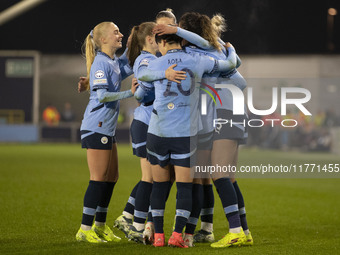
[
  {"x": 172, "y": 131},
  {"x": 142, "y": 50},
  {"x": 225, "y": 147},
  {"x": 210, "y": 42},
  {"x": 145, "y": 95}
]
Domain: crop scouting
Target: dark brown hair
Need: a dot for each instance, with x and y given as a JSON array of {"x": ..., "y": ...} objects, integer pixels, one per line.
[
  {"x": 201, "y": 25},
  {"x": 169, "y": 38}
]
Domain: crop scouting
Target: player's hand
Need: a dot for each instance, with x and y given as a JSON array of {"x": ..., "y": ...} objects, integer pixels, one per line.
[
  {"x": 82, "y": 84},
  {"x": 173, "y": 75},
  {"x": 134, "y": 85},
  {"x": 162, "y": 29},
  {"x": 228, "y": 45}
]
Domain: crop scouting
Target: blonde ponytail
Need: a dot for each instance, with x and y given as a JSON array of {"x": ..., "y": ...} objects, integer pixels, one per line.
[
  {"x": 89, "y": 52},
  {"x": 219, "y": 23},
  {"x": 91, "y": 45},
  {"x": 208, "y": 32}
]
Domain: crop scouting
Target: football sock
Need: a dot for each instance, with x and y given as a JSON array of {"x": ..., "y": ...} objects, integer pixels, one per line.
[
  {"x": 157, "y": 201},
  {"x": 169, "y": 189},
  {"x": 92, "y": 197},
  {"x": 101, "y": 210},
  {"x": 207, "y": 212},
  {"x": 183, "y": 205},
  {"x": 150, "y": 213},
  {"x": 142, "y": 204},
  {"x": 228, "y": 198},
  {"x": 130, "y": 205},
  {"x": 197, "y": 201},
  {"x": 242, "y": 209}
]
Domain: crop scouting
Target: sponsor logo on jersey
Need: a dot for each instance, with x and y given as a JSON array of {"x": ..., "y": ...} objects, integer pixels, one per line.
[
  {"x": 99, "y": 74},
  {"x": 100, "y": 81}
]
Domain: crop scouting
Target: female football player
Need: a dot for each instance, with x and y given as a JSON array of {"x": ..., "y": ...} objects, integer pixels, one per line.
[
  {"x": 105, "y": 73},
  {"x": 138, "y": 135},
  {"x": 172, "y": 131},
  {"x": 228, "y": 139},
  {"x": 142, "y": 50}
]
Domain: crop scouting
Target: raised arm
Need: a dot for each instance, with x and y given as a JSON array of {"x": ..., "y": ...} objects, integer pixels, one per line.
[
  {"x": 123, "y": 58},
  {"x": 194, "y": 39},
  {"x": 125, "y": 69},
  {"x": 185, "y": 34}
]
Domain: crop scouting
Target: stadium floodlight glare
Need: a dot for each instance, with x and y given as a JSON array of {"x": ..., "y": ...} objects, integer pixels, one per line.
[
  {"x": 18, "y": 9},
  {"x": 332, "y": 11}
]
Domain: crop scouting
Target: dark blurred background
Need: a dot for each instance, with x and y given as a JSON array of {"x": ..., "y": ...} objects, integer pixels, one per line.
[
  {"x": 255, "y": 26},
  {"x": 291, "y": 43}
]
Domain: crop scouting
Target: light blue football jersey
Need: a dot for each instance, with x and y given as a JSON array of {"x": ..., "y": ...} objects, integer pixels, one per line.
[
  {"x": 223, "y": 99},
  {"x": 106, "y": 73},
  {"x": 208, "y": 82},
  {"x": 175, "y": 111},
  {"x": 145, "y": 93}
]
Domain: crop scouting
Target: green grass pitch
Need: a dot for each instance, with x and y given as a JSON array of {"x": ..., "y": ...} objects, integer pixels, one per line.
[{"x": 42, "y": 188}]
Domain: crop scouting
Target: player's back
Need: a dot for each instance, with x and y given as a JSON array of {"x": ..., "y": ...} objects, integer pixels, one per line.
[{"x": 176, "y": 105}]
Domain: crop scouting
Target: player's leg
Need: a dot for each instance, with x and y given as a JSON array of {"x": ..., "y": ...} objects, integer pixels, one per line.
[
  {"x": 98, "y": 162},
  {"x": 124, "y": 221},
  {"x": 142, "y": 203},
  {"x": 144, "y": 190},
  {"x": 197, "y": 201},
  {"x": 183, "y": 205},
  {"x": 100, "y": 226},
  {"x": 138, "y": 131},
  {"x": 161, "y": 183},
  {"x": 242, "y": 209},
  {"x": 158, "y": 156},
  {"x": 206, "y": 234},
  {"x": 202, "y": 160},
  {"x": 227, "y": 192}
]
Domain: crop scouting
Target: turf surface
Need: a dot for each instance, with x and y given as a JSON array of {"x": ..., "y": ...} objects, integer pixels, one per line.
[{"x": 42, "y": 188}]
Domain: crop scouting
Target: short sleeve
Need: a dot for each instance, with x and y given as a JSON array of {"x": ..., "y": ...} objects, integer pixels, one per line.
[{"x": 100, "y": 73}]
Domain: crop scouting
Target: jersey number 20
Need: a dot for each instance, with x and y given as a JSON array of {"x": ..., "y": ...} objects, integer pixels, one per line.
[{"x": 188, "y": 92}]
